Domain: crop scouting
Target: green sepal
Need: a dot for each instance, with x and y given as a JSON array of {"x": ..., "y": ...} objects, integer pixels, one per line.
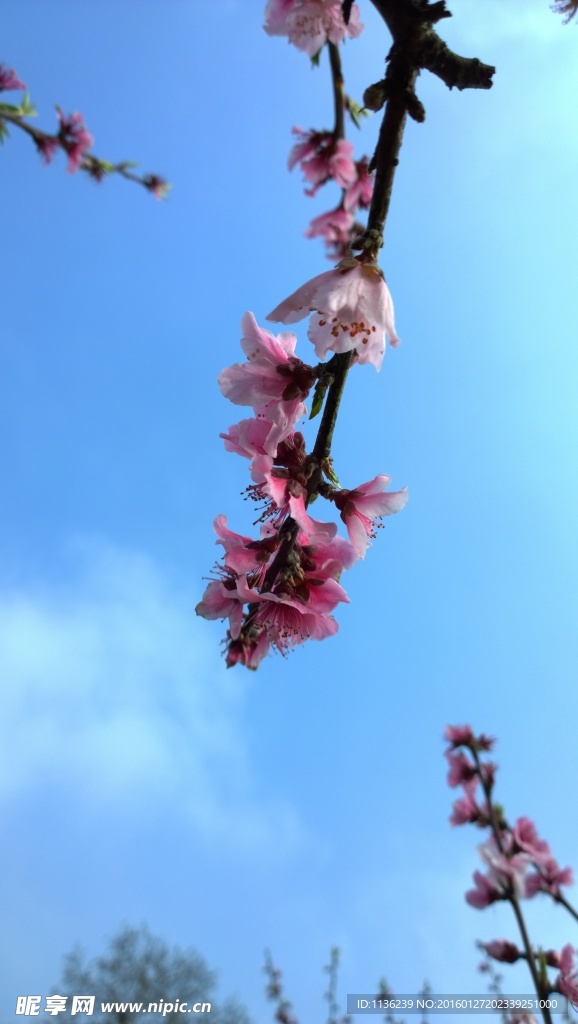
[
  {"x": 27, "y": 109},
  {"x": 4, "y": 133},
  {"x": 355, "y": 111},
  {"x": 316, "y": 58},
  {"x": 24, "y": 109},
  {"x": 329, "y": 472},
  {"x": 318, "y": 399}
]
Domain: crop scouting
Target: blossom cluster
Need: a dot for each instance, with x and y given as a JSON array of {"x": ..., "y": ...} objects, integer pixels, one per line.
[
  {"x": 519, "y": 864},
  {"x": 72, "y": 138},
  {"x": 281, "y": 588},
  {"x": 325, "y": 156}
]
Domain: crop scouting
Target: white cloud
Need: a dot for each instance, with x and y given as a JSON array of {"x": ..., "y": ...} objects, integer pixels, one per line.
[{"x": 110, "y": 692}]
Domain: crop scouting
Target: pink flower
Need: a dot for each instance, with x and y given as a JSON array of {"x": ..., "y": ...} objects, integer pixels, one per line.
[
  {"x": 74, "y": 138},
  {"x": 250, "y": 438},
  {"x": 335, "y": 227},
  {"x": 276, "y": 14},
  {"x": 244, "y": 555},
  {"x": 360, "y": 191},
  {"x": 567, "y": 980},
  {"x": 548, "y": 878},
  {"x": 459, "y": 735},
  {"x": 465, "y": 810},
  {"x": 461, "y": 768},
  {"x": 503, "y": 950},
  {"x": 527, "y": 839},
  {"x": 361, "y": 507},
  {"x": 352, "y": 309},
  {"x": 47, "y": 145},
  {"x": 9, "y": 79},
  {"x": 506, "y": 870},
  {"x": 157, "y": 186},
  {"x": 484, "y": 893},
  {"x": 327, "y": 559},
  {"x": 272, "y": 375},
  {"x": 292, "y": 616},
  {"x": 221, "y": 601},
  {"x": 284, "y": 485},
  {"x": 249, "y": 648},
  {"x": 310, "y": 23},
  {"x": 323, "y": 158},
  {"x": 463, "y": 736}
]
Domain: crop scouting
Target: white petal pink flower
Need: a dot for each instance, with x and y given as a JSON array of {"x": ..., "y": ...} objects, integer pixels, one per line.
[
  {"x": 352, "y": 309},
  {"x": 310, "y": 23},
  {"x": 362, "y": 506}
]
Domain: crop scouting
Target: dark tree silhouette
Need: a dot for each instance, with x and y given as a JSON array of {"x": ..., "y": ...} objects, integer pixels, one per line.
[{"x": 138, "y": 967}]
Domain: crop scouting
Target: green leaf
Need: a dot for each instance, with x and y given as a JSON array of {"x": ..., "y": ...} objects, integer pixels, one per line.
[
  {"x": 8, "y": 108},
  {"x": 4, "y": 133}
]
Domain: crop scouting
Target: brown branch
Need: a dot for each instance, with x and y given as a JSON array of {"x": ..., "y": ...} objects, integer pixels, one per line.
[
  {"x": 337, "y": 81},
  {"x": 411, "y": 25},
  {"x": 92, "y": 165}
]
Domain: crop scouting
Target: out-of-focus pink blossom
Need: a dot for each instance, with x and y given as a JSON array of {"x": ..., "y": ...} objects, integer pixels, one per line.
[
  {"x": 459, "y": 735},
  {"x": 310, "y": 23},
  {"x": 567, "y": 980},
  {"x": 9, "y": 79},
  {"x": 360, "y": 191},
  {"x": 548, "y": 878},
  {"x": 361, "y": 507},
  {"x": 157, "y": 186},
  {"x": 335, "y": 227},
  {"x": 351, "y": 307},
  {"x": 484, "y": 893},
  {"x": 461, "y": 768},
  {"x": 466, "y": 810},
  {"x": 47, "y": 145},
  {"x": 526, "y": 838},
  {"x": 74, "y": 138},
  {"x": 507, "y": 870},
  {"x": 323, "y": 158},
  {"x": 503, "y": 950},
  {"x": 488, "y": 773},
  {"x": 463, "y": 736}
]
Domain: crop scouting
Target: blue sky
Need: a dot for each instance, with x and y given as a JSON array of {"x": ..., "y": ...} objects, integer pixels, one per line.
[{"x": 305, "y": 805}]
